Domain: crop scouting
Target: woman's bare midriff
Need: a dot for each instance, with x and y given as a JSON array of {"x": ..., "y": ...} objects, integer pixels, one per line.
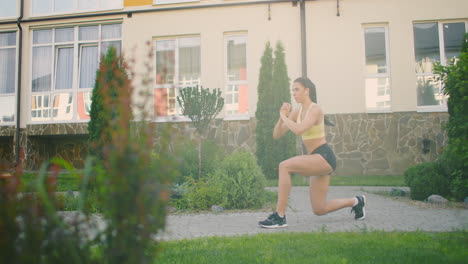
[{"x": 312, "y": 144}]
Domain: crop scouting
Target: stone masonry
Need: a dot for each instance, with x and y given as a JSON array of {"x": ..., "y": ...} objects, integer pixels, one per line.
[{"x": 365, "y": 144}]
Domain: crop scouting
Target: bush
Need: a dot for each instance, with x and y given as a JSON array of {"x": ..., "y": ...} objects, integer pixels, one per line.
[
  {"x": 454, "y": 76},
  {"x": 187, "y": 155},
  {"x": 241, "y": 181},
  {"x": 199, "y": 195},
  {"x": 426, "y": 179}
]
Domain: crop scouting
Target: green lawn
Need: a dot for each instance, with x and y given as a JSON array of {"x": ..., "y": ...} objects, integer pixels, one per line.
[
  {"x": 301, "y": 248},
  {"x": 298, "y": 180},
  {"x": 65, "y": 182}
]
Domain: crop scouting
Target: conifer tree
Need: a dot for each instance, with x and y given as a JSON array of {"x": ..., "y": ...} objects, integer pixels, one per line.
[
  {"x": 273, "y": 90},
  {"x": 111, "y": 86}
]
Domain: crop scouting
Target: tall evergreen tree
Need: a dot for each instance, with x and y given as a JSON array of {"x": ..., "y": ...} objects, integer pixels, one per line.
[
  {"x": 112, "y": 86},
  {"x": 273, "y": 90}
]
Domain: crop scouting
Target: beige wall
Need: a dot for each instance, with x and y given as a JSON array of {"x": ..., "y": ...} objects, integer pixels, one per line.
[{"x": 335, "y": 45}]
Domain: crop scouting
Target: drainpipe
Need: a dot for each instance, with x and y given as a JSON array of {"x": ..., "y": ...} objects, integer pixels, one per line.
[
  {"x": 303, "y": 38},
  {"x": 18, "y": 94}
]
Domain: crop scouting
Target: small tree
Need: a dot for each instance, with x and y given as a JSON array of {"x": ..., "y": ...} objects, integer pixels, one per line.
[
  {"x": 273, "y": 90},
  {"x": 454, "y": 76},
  {"x": 201, "y": 106},
  {"x": 111, "y": 83}
]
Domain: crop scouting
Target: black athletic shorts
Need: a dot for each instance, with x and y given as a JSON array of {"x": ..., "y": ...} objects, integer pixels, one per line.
[{"x": 327, "y": 154}]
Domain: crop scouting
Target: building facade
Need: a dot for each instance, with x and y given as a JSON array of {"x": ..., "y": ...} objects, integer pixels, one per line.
[{"x": 371, "y": 61}]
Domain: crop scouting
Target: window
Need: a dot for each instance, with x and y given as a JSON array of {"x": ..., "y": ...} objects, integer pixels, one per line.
[
  {"x": 7, "y": 76},
  {"x": 163, "y": 2},
  {"x": 377, "y": 70},
  {"x": 46, "y": 7},
  {"x": 177, "y": 66},
  {"x": 437, "y": 41},
  {"x": 8, "y": 9},
  {"x": 236, "y": 99},
  {"x": 64, "y": 65}
]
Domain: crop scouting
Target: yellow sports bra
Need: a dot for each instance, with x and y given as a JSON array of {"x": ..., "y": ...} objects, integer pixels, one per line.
[{"x": 314, "y": 132}]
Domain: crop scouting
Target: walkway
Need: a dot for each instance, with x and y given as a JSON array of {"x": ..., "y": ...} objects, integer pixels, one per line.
[{"x": 382, "y": 213}]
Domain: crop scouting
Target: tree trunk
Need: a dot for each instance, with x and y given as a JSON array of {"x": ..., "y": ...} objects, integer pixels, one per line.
[{"x": 199, "y": 157}]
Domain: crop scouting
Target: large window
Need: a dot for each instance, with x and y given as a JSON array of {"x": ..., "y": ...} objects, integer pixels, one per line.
[
  {"x": 47, "y": 7},
  {"x": 8, "y": 9},
  {"x": 177, "y": 67},
  {"x": 64, "y": 65},
  {"x": 434, "y": 42},
  {"x": 377, "y": 70},
  {"x": 236, "y": 93},
  {"x": 7, "y": 76}
]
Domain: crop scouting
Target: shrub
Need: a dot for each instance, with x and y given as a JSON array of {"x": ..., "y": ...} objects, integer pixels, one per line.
[
  {"x": 241, "y": 181},
  {"x": 200, "y": 195},
  {"x": 454, "y": 76},
  {"x": 187, "y": 156},
  {"x": 426, "y": 179}
]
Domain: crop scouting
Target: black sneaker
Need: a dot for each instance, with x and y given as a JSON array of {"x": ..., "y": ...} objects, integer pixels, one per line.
[
  {"x": 359, "y": 209},
  {"x": 273, "y": 221}
]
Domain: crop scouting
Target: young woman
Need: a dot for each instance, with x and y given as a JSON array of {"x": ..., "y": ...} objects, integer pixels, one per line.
[{"x": 308, "y": 122}]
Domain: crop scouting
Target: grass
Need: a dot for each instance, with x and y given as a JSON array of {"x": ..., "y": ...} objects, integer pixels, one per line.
[
  {"x": 65, "y": 182},
  {"x": 298, "y": 180},
  {"x": 365, "y": 247}
]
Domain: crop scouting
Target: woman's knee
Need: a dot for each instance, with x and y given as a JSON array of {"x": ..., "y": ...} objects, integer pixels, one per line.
[
  {"x": 319, "y": 210},
  {"x": 284, "y": 165}
]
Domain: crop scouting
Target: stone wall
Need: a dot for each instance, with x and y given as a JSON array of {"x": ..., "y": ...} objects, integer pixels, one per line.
[
  {"x": 365, "y": 144},
  {"x": 385, "y": 144}
]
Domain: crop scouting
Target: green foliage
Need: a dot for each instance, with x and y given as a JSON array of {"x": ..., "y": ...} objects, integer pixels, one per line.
[
  {"x": 201, "y": 105},
  {"x": 273, "y": 90},
  {"x": 455, "y": 157},
  {"x": 200, "y": 195},
  {"x": 426, "y": 179},
  {"x": 187, "y": 155},
  {"x": 241, "y": 181},
  {"x": 111, "y": 84},
  {"x": 320, "y": 247}
]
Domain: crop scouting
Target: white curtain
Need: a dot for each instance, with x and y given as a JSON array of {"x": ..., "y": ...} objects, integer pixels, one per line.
[
  {"x": 111, "y": 31},
  {"x": 64, "y": 34},
  {"x": 63, "y": 5},
  {"x": 41, "y": 69},
  {"x": 7, "y": 70},
  {"x": 8, "y": 8},
  {"x": 42, "y": 36},
  {"x": 89, "y": 33},
  {"x": 41, "y": 6},
  {"x": 64, "y": 68},
  {"x": 88, "y": 66}
]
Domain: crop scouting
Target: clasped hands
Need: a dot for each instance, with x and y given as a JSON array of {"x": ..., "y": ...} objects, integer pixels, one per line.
[{"x": 285, "y": 110}]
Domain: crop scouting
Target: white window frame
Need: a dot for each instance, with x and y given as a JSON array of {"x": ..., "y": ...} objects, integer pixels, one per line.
[
  {"x": 227, "y": 37},
  {"x": 76, "y": 44},
  {"x": 177, "y": 117},
  {"x": 388, "y": 73},
  {"x": 75, "y": 9},
  {"x": 168, "y": 2},
  {"x": 13, "y": 16},
  {"x": 16, "y": 79},
  {"x": 443, "y": 61}
]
